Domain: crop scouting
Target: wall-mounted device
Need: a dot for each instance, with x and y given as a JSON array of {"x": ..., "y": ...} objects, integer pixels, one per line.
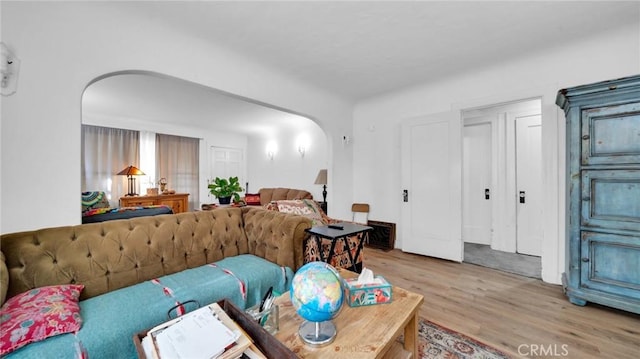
[{"x": 9, "y": 68}]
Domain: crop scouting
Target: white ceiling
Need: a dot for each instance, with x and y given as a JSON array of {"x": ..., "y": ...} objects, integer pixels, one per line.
[
  {"x": 362, "y": 48},
  {"x": 358, "y": 49}
]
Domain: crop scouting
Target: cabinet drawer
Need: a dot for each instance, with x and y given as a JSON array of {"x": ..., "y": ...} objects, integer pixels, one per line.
[
  {"x": 611, "y": 135},
  {"x": 611, "y": 199},
  {"x": 611, "y": 263},
  {"x": 134, "y": 202}
]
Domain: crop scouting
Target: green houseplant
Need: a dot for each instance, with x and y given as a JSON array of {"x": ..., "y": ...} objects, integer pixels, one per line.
[{"x": 224, "y": 189}]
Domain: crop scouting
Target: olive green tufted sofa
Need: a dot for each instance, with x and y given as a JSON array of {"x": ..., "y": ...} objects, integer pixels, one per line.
[
  {"x": 126, "y": 266},
  {"x": 115, "y": 254}
]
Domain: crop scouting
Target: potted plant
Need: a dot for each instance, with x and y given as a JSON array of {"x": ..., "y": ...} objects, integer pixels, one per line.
[{"x": 224, "y": 189}]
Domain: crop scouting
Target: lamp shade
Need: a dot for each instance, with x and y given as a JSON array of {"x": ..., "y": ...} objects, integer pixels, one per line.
[
  {"x": 131, "y": 171},
  {"x": 322, "y": 177}
]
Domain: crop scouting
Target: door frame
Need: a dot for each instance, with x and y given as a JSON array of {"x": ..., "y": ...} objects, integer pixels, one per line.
[
  {"x": 482, "y": 119},
  {"x": 554, "y": 175}
]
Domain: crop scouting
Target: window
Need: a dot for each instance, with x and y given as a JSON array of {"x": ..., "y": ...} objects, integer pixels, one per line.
[
  {"x": 177, "y": 160},
  {"x": 105, "y": 152}
]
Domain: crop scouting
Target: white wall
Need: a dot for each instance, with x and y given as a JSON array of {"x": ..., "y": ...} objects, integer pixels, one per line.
[
  {"x": 377, "y": 121},
  {"x": 65, "y": 45},
  {"x": 288, "y": 168}
]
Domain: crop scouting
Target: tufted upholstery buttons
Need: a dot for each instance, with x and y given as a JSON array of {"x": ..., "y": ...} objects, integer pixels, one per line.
[{"x": 197, "y": 239}]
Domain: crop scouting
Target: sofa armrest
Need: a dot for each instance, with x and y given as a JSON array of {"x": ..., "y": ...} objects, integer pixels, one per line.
[
  {"x": 4, "y": 279},
  {"x": 275, "y": 236}
]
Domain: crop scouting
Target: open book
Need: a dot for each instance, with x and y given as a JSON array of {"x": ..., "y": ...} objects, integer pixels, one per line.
[{"x": 205, "y": 333}]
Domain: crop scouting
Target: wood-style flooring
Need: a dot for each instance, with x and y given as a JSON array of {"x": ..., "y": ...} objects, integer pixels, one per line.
[{"x": 522, "y": 316}]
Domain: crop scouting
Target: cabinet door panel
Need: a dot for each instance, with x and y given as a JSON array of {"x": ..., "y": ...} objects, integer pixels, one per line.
[
  {"x": 611, "y": 135},
  {"x": 611, "y": 263},
  {"x": 611, "y": 199},
  {"x": 175, "y": 204}
]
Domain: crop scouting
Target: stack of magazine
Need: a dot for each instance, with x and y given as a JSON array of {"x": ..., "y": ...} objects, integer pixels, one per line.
[{"x": 205, "y": 333}]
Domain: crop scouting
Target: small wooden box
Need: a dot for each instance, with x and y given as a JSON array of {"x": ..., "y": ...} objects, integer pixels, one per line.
[{"x": 367, "y": 294}]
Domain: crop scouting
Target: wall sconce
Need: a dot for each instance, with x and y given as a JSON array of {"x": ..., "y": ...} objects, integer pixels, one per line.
[
  {"x": 9, "y": 68},
  {"x": 272, "y": 149},
  {"x": 303, "y": 144}
]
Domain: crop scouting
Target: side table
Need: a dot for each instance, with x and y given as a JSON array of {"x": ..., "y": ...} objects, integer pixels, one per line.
[{"x": 339, "y": 237}]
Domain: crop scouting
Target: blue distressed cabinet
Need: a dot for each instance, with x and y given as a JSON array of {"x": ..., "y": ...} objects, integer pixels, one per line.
[{"x": 603, "y": 193}]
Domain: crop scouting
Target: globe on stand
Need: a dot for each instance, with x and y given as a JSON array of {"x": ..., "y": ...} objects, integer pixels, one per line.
[{"x": 316, "y": 294}]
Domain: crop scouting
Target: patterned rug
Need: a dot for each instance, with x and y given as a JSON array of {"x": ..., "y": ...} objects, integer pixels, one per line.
[{"x": 436, "y": 342}]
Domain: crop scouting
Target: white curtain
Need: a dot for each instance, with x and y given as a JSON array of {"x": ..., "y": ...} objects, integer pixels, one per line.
[
  {"x": 178, "y": 160},
  {"x": 105, "y": 152}
]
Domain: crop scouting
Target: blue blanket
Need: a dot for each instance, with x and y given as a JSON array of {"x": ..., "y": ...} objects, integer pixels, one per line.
[{"x": 112, "y": 319}]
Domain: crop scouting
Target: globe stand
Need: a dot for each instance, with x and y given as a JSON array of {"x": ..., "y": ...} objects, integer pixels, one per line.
[{"x": 317, "y": 333}]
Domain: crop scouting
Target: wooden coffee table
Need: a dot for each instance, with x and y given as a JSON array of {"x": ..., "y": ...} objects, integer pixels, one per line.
[{"x": 363, "y": 332}]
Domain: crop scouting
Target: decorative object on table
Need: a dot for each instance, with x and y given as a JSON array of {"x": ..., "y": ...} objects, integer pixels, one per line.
[
  {"x": 152, "y": 191},
  {"x": 322, "y": 179},
  {"x": 367, "y": 289},
  {"x": 266, "y": 313},
  {"x": 224, "y": 189},
  {"x": 131, "y": 171},
  {"x": 316, "y": 294},
  {"x": 163, "y": 184}
]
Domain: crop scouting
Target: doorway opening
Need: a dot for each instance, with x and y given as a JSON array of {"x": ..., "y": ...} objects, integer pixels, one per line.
[{"x": 501, "y": 180}]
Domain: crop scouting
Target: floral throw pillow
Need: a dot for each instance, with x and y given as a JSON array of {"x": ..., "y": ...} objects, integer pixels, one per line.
[
  {"x": 38, "y": 314},
  {"x": 303, "y": 207}
]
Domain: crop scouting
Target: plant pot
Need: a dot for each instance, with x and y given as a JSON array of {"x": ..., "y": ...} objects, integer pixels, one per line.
[{"x": 224, "y": 200}]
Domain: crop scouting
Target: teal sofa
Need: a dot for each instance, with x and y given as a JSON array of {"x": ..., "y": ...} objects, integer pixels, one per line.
[{"x": 134, "y": 271}]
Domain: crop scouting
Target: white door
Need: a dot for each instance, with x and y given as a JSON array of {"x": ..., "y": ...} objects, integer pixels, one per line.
[
  {"x": 528, "y": 179},
  {"x": 431, "y": 162},
  {"x": 477, "y": 182},
  {"x": 226, "y": 162}
]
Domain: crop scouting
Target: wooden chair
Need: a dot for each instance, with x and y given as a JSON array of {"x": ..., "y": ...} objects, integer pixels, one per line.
[{"x": 360, "y": 208}]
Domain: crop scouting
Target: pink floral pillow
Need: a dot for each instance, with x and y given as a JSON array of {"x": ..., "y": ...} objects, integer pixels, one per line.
[{"x": 38, "y": 314}]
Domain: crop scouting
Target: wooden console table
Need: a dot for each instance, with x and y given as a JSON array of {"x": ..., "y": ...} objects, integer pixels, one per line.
[{"x": 179, "y": 202}]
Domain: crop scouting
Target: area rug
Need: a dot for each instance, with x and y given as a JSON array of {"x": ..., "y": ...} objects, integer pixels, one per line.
[{"x": 436, "y": 342}]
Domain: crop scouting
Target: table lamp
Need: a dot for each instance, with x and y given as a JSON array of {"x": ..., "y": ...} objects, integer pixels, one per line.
[
  {"x": 322, "y": 179},
  {"x": 130, "y": 172}
]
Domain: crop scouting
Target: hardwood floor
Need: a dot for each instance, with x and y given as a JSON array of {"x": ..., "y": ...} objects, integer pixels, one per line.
[{"x": 522, "y": 316}]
